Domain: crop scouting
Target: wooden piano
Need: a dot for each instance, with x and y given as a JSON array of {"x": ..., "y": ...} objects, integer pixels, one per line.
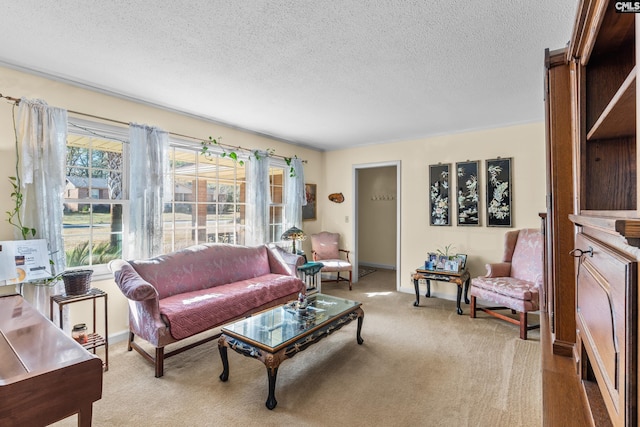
[{"x": 45, "y": 375}]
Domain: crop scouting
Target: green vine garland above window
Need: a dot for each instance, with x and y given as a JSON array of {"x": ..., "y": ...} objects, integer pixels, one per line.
[{"x": 233, "y": 155}]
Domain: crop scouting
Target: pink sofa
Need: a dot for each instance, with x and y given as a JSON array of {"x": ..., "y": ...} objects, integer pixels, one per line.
[{"x": 181, "y": 294}]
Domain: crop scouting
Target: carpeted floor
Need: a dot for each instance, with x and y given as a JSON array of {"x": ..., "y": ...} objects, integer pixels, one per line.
[{"x": 418, "y": 366}]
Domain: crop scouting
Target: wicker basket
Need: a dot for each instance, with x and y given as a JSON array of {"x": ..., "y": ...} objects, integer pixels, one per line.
[{"x": 77, "y": 282}]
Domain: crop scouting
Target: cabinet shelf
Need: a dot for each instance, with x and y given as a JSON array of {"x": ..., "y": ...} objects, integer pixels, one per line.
[
  {"x": 619, "y": 117},
  {"x": 614, "y": 223}
]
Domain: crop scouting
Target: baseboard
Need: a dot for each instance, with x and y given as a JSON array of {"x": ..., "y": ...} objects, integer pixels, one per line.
[
  {"x": 563, "y": 348},
  {"x": 119, "y": 336},
  {"x": 374, "y": 265}
]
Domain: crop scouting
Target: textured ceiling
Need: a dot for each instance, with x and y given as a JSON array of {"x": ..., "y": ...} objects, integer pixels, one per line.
[{"x": 321, "y": 73}]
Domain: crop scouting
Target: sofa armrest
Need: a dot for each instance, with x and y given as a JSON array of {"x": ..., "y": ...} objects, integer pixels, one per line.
[
  {"x": 499, "y": 269},
  {"x": 132, "y": 285},
  {"x": 284, "y": 262}
]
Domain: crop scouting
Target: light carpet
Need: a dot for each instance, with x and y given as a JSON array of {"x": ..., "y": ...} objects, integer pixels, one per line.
[{"x": 418, "y": 366}]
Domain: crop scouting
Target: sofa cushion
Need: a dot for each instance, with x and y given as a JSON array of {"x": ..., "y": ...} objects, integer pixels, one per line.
[
  {"x": 197, "y": 311},
  {"x": 517, "y": 304},
  {"x": 508, "y": 286},
  {"x": 332, "y": 265},
  {"x": 202, "y": 266}
]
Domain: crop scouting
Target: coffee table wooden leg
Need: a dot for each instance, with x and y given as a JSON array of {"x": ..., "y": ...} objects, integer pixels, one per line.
[
  {"x": 417, "y": 288},
  {"x": 224, "y": 376},
  {"x": 272, "y": 373},
  {"x": 459, "y": 297},
  {"x": 360, "y": 320}
]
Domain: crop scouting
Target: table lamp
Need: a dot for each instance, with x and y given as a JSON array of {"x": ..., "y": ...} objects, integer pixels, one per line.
[{"x": 294, "y": 233}]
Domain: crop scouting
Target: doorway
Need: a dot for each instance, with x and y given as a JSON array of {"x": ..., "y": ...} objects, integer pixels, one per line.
[{"x": 376, "y": 228}]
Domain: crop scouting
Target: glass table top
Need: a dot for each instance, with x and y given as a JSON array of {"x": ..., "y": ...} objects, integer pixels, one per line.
[{"x": 274, "y": 328}]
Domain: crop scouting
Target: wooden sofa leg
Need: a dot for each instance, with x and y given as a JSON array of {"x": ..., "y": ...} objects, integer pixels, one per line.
[
  {"x": 159, "y": 362},
  {"x": 129, "y": 341},
  {"x": 472, "y": 308},
  {"x": 523, "y": 325}
]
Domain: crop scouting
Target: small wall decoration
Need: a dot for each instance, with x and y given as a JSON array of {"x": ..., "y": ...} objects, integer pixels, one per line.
[
  {"x": 499, "y": 193},
  {"x": 336, "y": 197},
  {"x": 467, "y": 194},
  {"x": 439, "y": 194},
  {"x": 309, "y": 210}
]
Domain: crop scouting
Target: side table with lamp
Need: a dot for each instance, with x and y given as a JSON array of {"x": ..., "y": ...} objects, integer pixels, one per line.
[{"x": 309, "y": 272}]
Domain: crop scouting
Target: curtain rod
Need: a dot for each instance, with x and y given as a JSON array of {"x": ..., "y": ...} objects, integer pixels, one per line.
[{"x": 16, "y": 101}]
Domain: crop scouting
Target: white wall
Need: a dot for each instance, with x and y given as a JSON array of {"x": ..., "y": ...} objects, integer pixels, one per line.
[
  {"x": 331, "y": 171},
  {"x": 524, "y": 143}
]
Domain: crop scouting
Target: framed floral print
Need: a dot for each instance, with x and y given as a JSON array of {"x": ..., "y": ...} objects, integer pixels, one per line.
[
  {"x": 439, "y": 195},
  {"x": 309, "y": 210},
  {"x": 467, "y": 193},
  {"x": 499, "y": 193}
]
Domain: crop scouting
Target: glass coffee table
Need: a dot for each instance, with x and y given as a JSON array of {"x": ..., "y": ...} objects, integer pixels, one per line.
[{"x": 280, "y": 333}]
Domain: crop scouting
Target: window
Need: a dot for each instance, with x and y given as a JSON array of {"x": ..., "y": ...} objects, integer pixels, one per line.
[
  {"x": 276, "y": 208},
  {"x": 206, "y": 203},
  {"x": 95, "y": 203}
]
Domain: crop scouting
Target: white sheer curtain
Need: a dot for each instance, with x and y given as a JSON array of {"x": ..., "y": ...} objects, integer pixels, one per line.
[
  {"x": 295, "y": 197},
  {"x": 148, "y": 165},
  {"x": 258, "y": 199},
  {"x": 42, "y": 136}
]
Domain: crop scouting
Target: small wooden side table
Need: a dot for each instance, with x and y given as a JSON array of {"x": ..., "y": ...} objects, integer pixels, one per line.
[
  {"x": 460, "y": 278},
  {"x": 94, "y": 340},
  {"x": 310, "y": 275}
]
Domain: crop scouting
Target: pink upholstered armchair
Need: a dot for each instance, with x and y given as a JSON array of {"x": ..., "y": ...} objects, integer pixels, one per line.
[
  {"x": 325, "y": 249},
  {"x": 515, "y": 282}
]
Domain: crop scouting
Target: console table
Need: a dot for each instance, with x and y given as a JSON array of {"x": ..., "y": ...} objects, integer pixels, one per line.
[
  {"x": 460, "y": 278},
  {"x": 45, "y": 375}
]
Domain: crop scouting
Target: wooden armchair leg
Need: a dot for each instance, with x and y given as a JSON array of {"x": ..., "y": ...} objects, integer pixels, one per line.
[
  {"x": 129, "y": 341},
  {"x": 350, "y": 277},
  {"x": 472, "y": 307},
  {"x": 523, "y": 325}
]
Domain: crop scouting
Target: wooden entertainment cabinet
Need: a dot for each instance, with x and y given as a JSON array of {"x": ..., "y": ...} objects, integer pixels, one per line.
[{"x": 592, "y": 117}]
